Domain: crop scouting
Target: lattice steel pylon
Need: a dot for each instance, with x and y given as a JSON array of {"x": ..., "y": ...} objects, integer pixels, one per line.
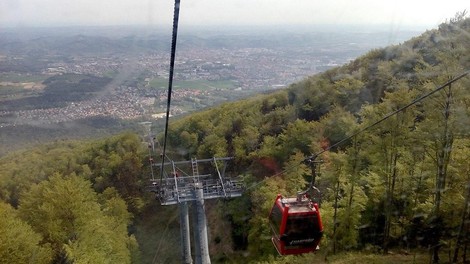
[{"x": 195, "y": 181}]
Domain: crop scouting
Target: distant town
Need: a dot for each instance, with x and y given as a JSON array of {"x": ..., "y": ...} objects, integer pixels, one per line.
[{"x": 208, "y": 71}]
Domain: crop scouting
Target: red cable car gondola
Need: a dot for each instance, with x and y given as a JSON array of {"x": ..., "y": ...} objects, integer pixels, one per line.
[
  {"x": 296, "y": 225},
  {"x": 296, "y": 222}
]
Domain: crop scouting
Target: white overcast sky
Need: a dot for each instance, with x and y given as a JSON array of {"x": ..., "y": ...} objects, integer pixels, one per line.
[{"x": 398, "y": 13}]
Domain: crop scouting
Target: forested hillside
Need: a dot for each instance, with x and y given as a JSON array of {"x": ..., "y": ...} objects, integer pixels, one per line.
[
  {"x": 401, "y": 185},
  {"x": 71, "y": 202}
]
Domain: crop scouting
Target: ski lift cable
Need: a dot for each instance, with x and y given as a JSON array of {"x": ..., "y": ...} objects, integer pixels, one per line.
[
  {"x": 170, "y": 80},
  {"x": 163, "y": 236},
  {"x": 387, "y": 116}
]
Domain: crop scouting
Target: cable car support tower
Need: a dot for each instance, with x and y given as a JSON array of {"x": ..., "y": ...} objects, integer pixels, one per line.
[{"x": 183, "y": 184}]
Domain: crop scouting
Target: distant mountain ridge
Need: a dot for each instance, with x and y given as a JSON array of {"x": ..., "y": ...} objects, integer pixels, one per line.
[{"x": 115, "y": 40}]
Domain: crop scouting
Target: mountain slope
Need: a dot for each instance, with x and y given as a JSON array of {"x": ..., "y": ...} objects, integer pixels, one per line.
[{"x": 269, "y": 135}]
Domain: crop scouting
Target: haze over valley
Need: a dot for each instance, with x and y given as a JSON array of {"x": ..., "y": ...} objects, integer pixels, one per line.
[{"x": 52, "y": 76}]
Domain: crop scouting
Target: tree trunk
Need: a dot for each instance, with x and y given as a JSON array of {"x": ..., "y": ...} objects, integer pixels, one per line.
[
  {"x": 443, "y": 157},
  {"x": 335, "y": 215},
  {"x": 461, "y": 232}
]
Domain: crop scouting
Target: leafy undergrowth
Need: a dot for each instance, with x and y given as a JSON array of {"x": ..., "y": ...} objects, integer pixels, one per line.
[
  {"x": 320, "y": 258},
  {"x": 361, "y": 258},
  {"x": 350, "y": 258}
]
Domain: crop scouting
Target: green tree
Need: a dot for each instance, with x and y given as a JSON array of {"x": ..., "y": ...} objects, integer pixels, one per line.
[
  {"x": 117, "y": 162},
  {"x": 389, "y": 141},
  {"x": 347, "y": 197},
  {"x": 337, "y": 125},
  {"x": 299, "y": 135},
  {"x": 67, "y": 213},
  {"x": 296, "y": 174},
  {"x": 440, "y": 128},
  {"x": 18, "y": 242},
  {"x": 262, "y": 198}
]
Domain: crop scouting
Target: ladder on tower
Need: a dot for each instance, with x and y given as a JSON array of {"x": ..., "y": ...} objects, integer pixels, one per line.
[{"x": 194, "y": 166}]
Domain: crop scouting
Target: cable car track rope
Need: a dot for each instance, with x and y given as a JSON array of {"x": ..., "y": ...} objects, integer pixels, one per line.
[{"x": 170, "y": 80}]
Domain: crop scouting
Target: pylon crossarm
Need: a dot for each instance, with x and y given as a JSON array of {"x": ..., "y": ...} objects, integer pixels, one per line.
[
  {"x": 189, "y": 161},
  {"x": 179, "y": 185}
]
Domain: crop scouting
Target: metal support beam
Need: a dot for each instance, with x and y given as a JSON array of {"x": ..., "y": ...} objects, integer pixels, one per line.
[
  {"x": 202, "y": 225},
  {"x": 196, "y": 240},
  {"x": 185, "y": 237}
]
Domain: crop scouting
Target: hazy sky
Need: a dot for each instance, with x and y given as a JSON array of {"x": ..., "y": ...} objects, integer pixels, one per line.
[{"x": 397, "y": 13}]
